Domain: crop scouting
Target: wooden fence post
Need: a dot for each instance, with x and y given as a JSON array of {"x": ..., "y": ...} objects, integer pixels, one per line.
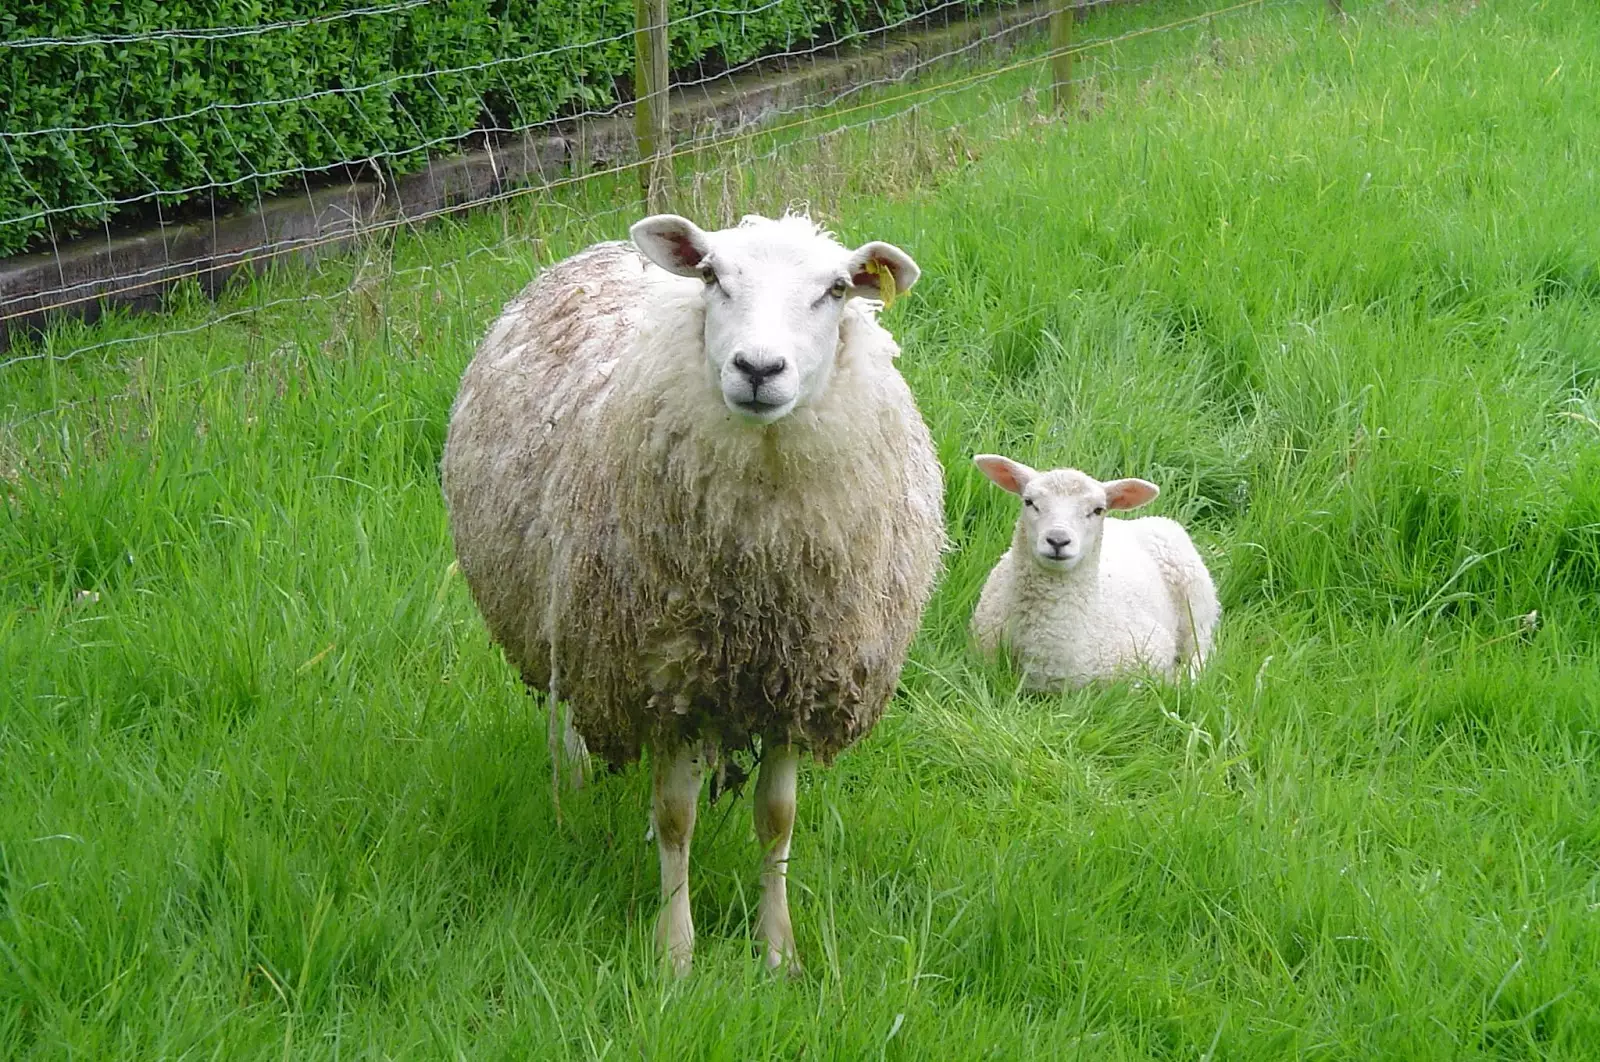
[
  {"x": 1061, "y": 16},
  {"x": 651, "y": 114}
]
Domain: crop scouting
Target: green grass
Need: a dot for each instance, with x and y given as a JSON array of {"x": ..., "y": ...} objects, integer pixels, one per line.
[{"x": 274, "y": 794}]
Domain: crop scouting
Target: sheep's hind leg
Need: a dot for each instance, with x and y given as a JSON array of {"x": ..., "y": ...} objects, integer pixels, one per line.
[
  {"x": 774, "y": 815},
  {"x": 567, "y": 748},
  {"x": 577, "y": 752},
  {"x": 677, "y": 774}
]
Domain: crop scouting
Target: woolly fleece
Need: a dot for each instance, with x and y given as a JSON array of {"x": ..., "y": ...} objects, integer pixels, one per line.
[
  {"x": 686, "y": 575},
  {"x": 1142, "y": 601}
]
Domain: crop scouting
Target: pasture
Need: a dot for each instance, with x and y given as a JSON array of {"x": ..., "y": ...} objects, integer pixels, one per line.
[{"x": 268, "y": 790}]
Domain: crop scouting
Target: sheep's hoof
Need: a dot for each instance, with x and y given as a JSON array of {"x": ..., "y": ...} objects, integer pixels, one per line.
[
  {"x": 675, "y": 941},
  {"x": 778, "y": 944},
  {"x": 786, "y": 963}
]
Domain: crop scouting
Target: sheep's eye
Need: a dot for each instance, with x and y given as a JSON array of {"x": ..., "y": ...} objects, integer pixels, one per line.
[
  {"x": 709, "y": 276},
  {"x": 838, "y": 289},
  {"x": 1029, "y": 503},
  {"x": 1099, "y": 510}
]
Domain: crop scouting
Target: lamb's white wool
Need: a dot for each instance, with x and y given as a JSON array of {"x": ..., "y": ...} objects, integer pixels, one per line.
[
  {"x": 1079, "y": 597},
  {"x": 694, "y": 500}
]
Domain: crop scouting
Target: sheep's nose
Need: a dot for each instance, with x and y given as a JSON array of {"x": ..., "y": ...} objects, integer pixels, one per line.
[
  {"x": 1058, "y": 540},
  {"x": 759, "y": 371}
]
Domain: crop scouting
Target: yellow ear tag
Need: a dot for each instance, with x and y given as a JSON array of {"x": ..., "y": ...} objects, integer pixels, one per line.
[{"x": 885, "y": 277}]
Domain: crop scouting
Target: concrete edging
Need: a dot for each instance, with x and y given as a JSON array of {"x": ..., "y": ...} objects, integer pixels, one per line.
[{"x": 135, "y": 271}]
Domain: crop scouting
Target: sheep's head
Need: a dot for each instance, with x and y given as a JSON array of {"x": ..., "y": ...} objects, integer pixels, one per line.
[
  {"x": 1063, "y": 510},
  {"x": 775, "y": 294}
]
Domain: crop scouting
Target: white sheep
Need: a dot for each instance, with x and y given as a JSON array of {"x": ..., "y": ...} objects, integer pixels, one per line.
[
  {"x": 1079, "y": 597},
  {"x": 695, "y": 501}
]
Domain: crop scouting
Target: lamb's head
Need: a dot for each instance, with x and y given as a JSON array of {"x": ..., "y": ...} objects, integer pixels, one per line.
[
  {"x": 1063, "y": 510},
  {"x": 775, "y": 295}
]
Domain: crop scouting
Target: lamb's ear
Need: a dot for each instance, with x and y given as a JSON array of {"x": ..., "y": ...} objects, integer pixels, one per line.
[
  {"x": 1130, "y": 493},
  {"x": 673, "y": 243},
  {"x": 881, "y": 271},
  {"x": 1006, "y": 473}
]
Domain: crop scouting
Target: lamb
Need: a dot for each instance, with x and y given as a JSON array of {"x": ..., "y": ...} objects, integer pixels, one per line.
[
  {"x": 696, "y": 502},
  {"x": 1078, "y": 597}
]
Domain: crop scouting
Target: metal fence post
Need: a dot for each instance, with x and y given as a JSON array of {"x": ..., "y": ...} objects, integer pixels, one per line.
[
  {"x": 1061, "y": 16},
  {"x": 651, "y": 113}
]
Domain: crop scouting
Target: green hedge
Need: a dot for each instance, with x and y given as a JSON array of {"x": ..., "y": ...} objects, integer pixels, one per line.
[{"x": 365, "y": 100}]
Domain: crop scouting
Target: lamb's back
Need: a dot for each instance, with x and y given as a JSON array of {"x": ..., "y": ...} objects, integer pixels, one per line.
[
  {"x": 1136, "y": 563},
  {"x": 1165, "y": 546}
]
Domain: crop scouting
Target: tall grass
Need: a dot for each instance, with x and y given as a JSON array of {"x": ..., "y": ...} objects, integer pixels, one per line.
[{"x": 266, "y": 789}]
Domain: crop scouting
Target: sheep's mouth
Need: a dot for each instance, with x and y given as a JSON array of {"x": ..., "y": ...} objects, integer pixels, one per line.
[
  {"x": 757, "y": 410},
  {"x": 1057, "y": 560}
]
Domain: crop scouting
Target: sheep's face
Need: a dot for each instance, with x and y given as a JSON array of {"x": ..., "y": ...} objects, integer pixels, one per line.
[
  {"x": 775, "y": 294},
  {"x": 1063, "y": 510}
]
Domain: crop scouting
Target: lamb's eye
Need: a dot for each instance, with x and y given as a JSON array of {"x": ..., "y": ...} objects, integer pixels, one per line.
[
  {"x": 838, "y": 289},
  {"x": 1029, "y": 503},
  {"x": 1099, "y": 510},
  {"x": 709, "y": 276}
]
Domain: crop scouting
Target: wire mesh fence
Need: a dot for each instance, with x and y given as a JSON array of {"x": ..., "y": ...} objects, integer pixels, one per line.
[{"x": 561, "y": 157}]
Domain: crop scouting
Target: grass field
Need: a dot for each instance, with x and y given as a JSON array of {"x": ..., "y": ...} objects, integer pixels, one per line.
[{"x": 267, "y": 790}]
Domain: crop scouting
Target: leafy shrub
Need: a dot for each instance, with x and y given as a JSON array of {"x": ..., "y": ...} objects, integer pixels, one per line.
[{"x": 96, "y": 132}]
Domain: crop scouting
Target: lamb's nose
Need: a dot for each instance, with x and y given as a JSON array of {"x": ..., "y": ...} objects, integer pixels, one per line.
[
  {"x": 1058, "y": 541},
  {"x": 758, "y": 372}
]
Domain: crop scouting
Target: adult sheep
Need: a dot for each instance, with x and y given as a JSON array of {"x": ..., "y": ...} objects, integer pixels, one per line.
[{"x": 695, "y": 501}]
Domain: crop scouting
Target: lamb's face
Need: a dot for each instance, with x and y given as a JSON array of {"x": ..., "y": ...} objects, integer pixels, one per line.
[
  {"x": 1062, "y": 513},
  {"x": 775, "y": 294},
  {"x": 1063, "y": 510}
]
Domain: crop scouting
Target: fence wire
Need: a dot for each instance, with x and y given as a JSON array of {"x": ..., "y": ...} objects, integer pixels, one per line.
[
  {"x": 61, "y": 135},
  {"x": 706, "y": 155}
]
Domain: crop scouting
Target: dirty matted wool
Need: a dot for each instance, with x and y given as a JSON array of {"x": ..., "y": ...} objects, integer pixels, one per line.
[{"x": 685, "y": 574}]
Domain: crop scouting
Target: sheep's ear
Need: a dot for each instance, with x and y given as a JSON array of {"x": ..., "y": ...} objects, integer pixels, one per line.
[
  {"x": 1006, "y": 473},
  {"x": 675, "y": 244},
  {"x": 1130, "y": 493},
  {"x": 881, "y": 271}
]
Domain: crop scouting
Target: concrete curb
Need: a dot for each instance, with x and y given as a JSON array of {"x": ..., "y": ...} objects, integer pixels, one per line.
[{"x": 135, "y": 271}]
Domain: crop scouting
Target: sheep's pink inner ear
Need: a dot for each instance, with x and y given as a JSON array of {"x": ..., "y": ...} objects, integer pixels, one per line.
[
  {"x": 683, "y": 249},
  {"x": 872, "y": 260},
  {"x": 1129, "y": 493},
  {"x": 1005, "y": 473},
  {"x": 673, "y": 243},
  {"x": 861, "y": 278}
]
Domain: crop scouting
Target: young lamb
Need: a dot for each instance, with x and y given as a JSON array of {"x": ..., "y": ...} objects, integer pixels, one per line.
[
  {"x": 694, "y": 499},
  {"x": 1079, "y": 597}
]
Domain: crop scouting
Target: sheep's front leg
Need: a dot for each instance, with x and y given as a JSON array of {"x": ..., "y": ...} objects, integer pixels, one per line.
[
  {"x": 676, "y": 782},
  {"x": 774, "y": 814}
]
